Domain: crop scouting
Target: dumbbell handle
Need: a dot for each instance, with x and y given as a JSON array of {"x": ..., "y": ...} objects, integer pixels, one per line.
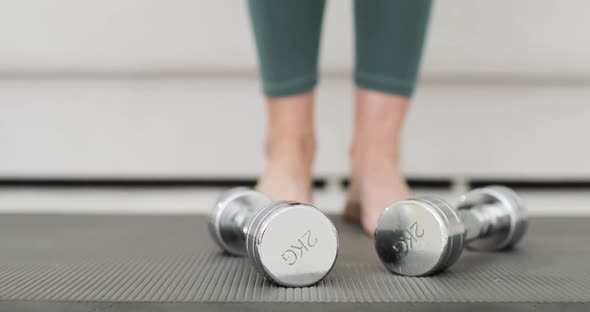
[
  {"x": 241, "y": 221},
  {"x": 247, "y": 206},
  {"x": 483, "y": 220}
]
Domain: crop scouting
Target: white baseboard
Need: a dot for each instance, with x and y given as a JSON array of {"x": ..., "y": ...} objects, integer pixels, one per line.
[{"x": 199, "y": 201}]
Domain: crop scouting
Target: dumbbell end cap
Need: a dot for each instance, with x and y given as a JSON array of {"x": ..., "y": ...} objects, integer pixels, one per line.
[
  {"x": 418, "y": 237},
  {"x": 506, "y": 199},
  {"x": 294, "y": 244}
]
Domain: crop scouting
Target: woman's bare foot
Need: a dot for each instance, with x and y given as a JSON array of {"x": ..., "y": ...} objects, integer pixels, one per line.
[
  {"x": 287, "y": 175},
  {"x": 377, "y": 187},
  {"x": 290, "y": 149},
  {"x": 352, "y": 209},
  {"x": 377, "y": 180}
]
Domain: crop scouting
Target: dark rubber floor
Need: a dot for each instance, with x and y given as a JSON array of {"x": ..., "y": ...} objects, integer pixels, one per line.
[{"x": 156, "y": 263}]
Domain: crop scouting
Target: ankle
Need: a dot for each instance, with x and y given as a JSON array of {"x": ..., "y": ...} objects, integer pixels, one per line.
[
  {"x": 302, "y": 147},
  {"x": 293, "y": 158},
  {"x": 291, "y": 130},
  {"x": 366, "y": 156}
]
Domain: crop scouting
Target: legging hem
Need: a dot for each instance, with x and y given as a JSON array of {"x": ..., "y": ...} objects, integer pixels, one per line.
[
  {"x": 290, "y": 87},
  {"x": 384, "y": 84}
]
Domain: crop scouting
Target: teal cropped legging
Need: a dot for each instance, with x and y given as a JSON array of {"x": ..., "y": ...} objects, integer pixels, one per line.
[{"x": 389, "y": 39}]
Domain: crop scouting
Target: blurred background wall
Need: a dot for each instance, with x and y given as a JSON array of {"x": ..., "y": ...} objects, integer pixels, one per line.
[{"x": 153, "y": 89}]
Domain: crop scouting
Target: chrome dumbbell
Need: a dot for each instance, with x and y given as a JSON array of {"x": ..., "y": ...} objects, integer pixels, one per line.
[
  {"x": 293, "y": 244},
  {"x": 423, "y": 236}
]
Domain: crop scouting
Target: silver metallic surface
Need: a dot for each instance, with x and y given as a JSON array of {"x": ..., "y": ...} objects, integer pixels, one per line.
[
  {"x": 418, "y": 237},
  {"x": 424, "y": 236},
  {"x": 500, "y": 215},
  {"x": 229, "y": 218},
  {"x": 293, "y": 244}
]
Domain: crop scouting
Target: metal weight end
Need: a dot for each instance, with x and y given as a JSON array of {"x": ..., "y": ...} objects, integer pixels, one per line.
[
  {"x": 294, "y": 244},
  {"x": 229, "y": 208},
  {"x": 515, "y": 217},
  {"x": 418, "y": 237}
]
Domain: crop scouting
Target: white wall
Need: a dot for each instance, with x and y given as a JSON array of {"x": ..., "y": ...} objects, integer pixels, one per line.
[
  {"x": 214, "y": 127},
  {"x": 493, "y": 37},
  {"x": 526, "y": 115}
]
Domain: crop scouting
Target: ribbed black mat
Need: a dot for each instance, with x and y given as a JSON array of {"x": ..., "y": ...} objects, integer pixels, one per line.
[{"x": 132, "y": 263}]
